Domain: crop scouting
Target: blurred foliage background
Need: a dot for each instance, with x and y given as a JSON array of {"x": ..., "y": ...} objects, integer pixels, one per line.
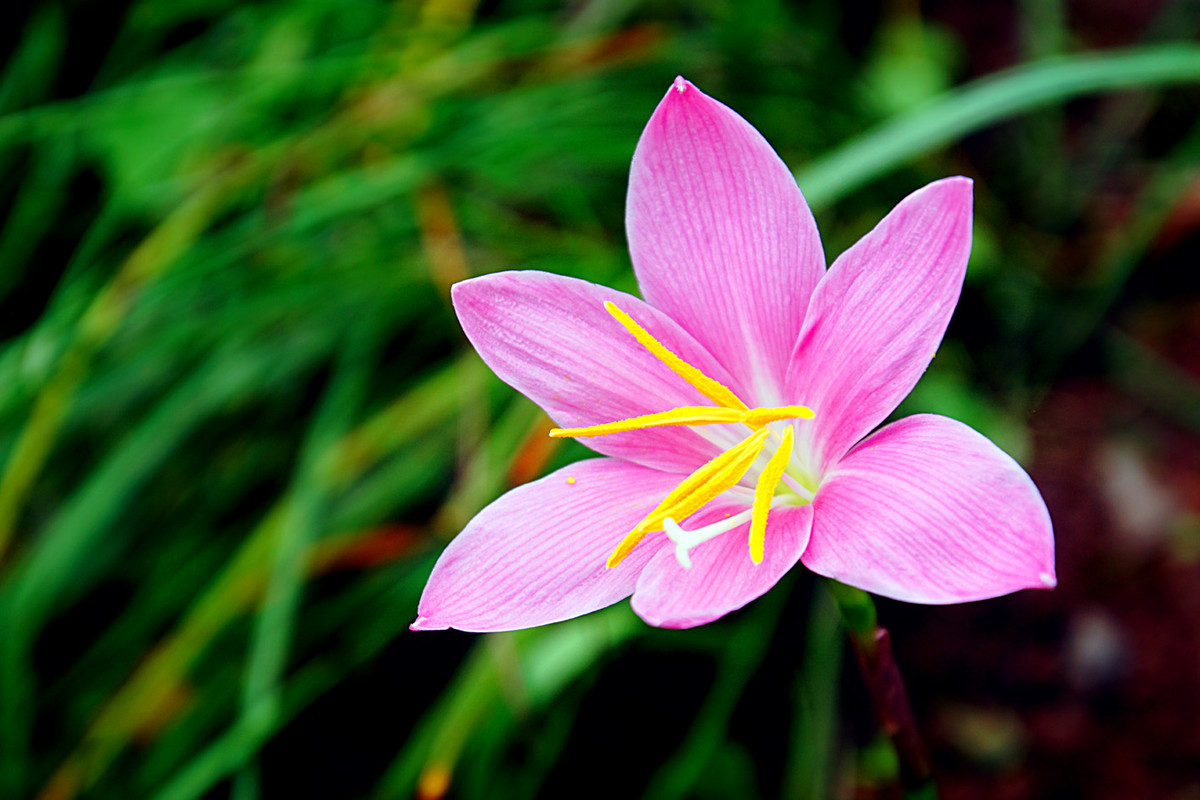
[{"x": 238, "y": 420}]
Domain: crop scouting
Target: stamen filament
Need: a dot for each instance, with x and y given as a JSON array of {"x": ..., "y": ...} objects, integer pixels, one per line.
[
  {"x": 712, "y": 389},
  {"x": 686, "y": 415},
  {"x": 764, "y": 490},
  {"x": 696, "y": 490}
]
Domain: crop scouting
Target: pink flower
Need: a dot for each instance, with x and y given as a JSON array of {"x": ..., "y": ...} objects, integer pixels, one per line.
[{"x": 728, "y": 479}]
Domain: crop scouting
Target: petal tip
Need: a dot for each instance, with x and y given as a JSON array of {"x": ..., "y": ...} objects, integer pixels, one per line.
[
  {"x": 464, "y": 292},
  {"x": 959, "y": 185},
  {"x": 423, "y": 623},
  {"x": 950, "y": 186},
  {"x": 681, "y": 84},
  {"x": 1048, "y": 580}
]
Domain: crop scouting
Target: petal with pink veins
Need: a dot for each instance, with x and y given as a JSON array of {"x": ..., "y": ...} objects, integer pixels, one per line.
[
  {"x": 877, "y": 318},
  {"x": 551, "y": 339},
  {"x": 722, "y": 577},
  {"x": 721, "y": 237},
  {"x": 929, "y": 511},
  {"x": 537, "y": 554}
]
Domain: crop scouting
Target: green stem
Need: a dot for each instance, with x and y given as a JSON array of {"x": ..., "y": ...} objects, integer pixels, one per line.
[
  {"x": 987, "y": 101},
  {"x": 872, "y": 644}
]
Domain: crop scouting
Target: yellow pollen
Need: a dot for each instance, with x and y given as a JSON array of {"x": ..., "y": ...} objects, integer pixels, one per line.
[
  {"x": 696, "y": 491},
  {"x": 686, "y": 415},
  {"x": 764, "y": 490},
  {"x": 713, "y": 390}
]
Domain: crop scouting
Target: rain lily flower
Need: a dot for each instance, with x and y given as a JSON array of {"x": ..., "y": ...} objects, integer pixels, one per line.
[{"x": 735, "y": 406}]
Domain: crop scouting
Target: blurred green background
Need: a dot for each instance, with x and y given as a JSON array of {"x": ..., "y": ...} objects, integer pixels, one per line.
[{"x": 238, "y": 420}]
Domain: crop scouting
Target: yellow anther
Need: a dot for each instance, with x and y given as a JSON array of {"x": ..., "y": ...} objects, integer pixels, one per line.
[
  {"x": 757, "y": 417},
  {"x": 764, "y": 490},
  {"x": 713, "y": 390},
  {"x": 696, "y": 490},
  {"x": 687, "y": 415}
]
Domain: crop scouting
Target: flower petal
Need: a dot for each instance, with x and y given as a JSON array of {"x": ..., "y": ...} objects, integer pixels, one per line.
[
  {"x": 929, "y": 511},
  {"x": 877, "y": 317},
  {"x": 721, "y": 237},
  {"x": 722, "y": 577},
  {"x": 551, "y": 339},
  {"x": 536, "y": 555}
]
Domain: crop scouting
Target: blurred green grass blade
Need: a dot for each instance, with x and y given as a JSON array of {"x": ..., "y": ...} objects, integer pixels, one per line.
[
  {"x": 216, "y": 761},
  {"x": 51, "y": 570},
  {"x": 426, "y": 407},
  {"x": 66, "y": 117},
  {"x": 302, "y": 522},
  {"x": 27, "y": 361},
  {"x": 537, "y": 663},
  {"x": 546, "y": 661},
  {"x": 355, "y": 192},
  {"x": 987, "y": 101},
  {"x": 32, "y": 68},
  {"x": 35, "y": 209},
  {"x": 743, "y": 653},
  {"x": 383, "y": 617},
  {"x": 1070, "y": 324},
  {"x": 485, "y": 468},
  {"x": 815, "y": 700},
  {"x": 104, "y": 314}
]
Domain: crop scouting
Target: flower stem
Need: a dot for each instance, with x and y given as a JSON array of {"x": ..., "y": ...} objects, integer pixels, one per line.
[{"x": 873, "y": 646}]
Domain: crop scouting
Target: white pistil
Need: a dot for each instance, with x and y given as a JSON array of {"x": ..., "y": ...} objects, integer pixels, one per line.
[{"x": 686, "y": 540}]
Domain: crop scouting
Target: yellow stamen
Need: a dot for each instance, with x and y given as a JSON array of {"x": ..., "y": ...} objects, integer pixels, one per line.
[
  {"x": 687, "y": 415},
  {"x": 713, "y": 390},
  {"x": 757, "y": 417},
  {"x": 764, "y": 490},
  {"x": 696, "y": 490}
]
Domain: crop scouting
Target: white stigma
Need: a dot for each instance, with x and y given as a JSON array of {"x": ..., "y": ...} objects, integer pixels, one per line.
[{"x": 686, "y": 540}]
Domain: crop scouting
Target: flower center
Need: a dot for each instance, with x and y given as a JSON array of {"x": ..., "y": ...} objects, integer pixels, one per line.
[{"x": 718, "y": 475}]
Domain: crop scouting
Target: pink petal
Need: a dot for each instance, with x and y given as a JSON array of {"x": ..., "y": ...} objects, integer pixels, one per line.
[
  {"x": 722, "y": 577},
  {"x": 536, "y": 555},
  {"x": 929, "y": 511},
  {"x": 877, "y": 317},
  {"x": 721, "y": 237},
  {"x": 550, "y": 338}
]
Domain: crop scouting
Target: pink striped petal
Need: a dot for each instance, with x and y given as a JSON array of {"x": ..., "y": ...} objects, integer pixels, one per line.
[
  {"x": 722, "y": 577},
  {"x": 929, "y": 511},
  {"x": 536, "y": 555},
  {"x": 877, "y": 317},
  {"x": 550, "y": 338},
  {"x": 721, "y": 237}
]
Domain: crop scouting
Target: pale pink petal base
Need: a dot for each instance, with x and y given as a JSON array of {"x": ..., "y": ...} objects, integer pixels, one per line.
[
  {"x": 877, "y": 318},
  {"x": 551, "y": 339},
  {"x": 722, "y": 577},
  {"x": 721, "y": 237},
  {"x": 536, "y": 555},
  {"x": 929, "y": 511}
]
